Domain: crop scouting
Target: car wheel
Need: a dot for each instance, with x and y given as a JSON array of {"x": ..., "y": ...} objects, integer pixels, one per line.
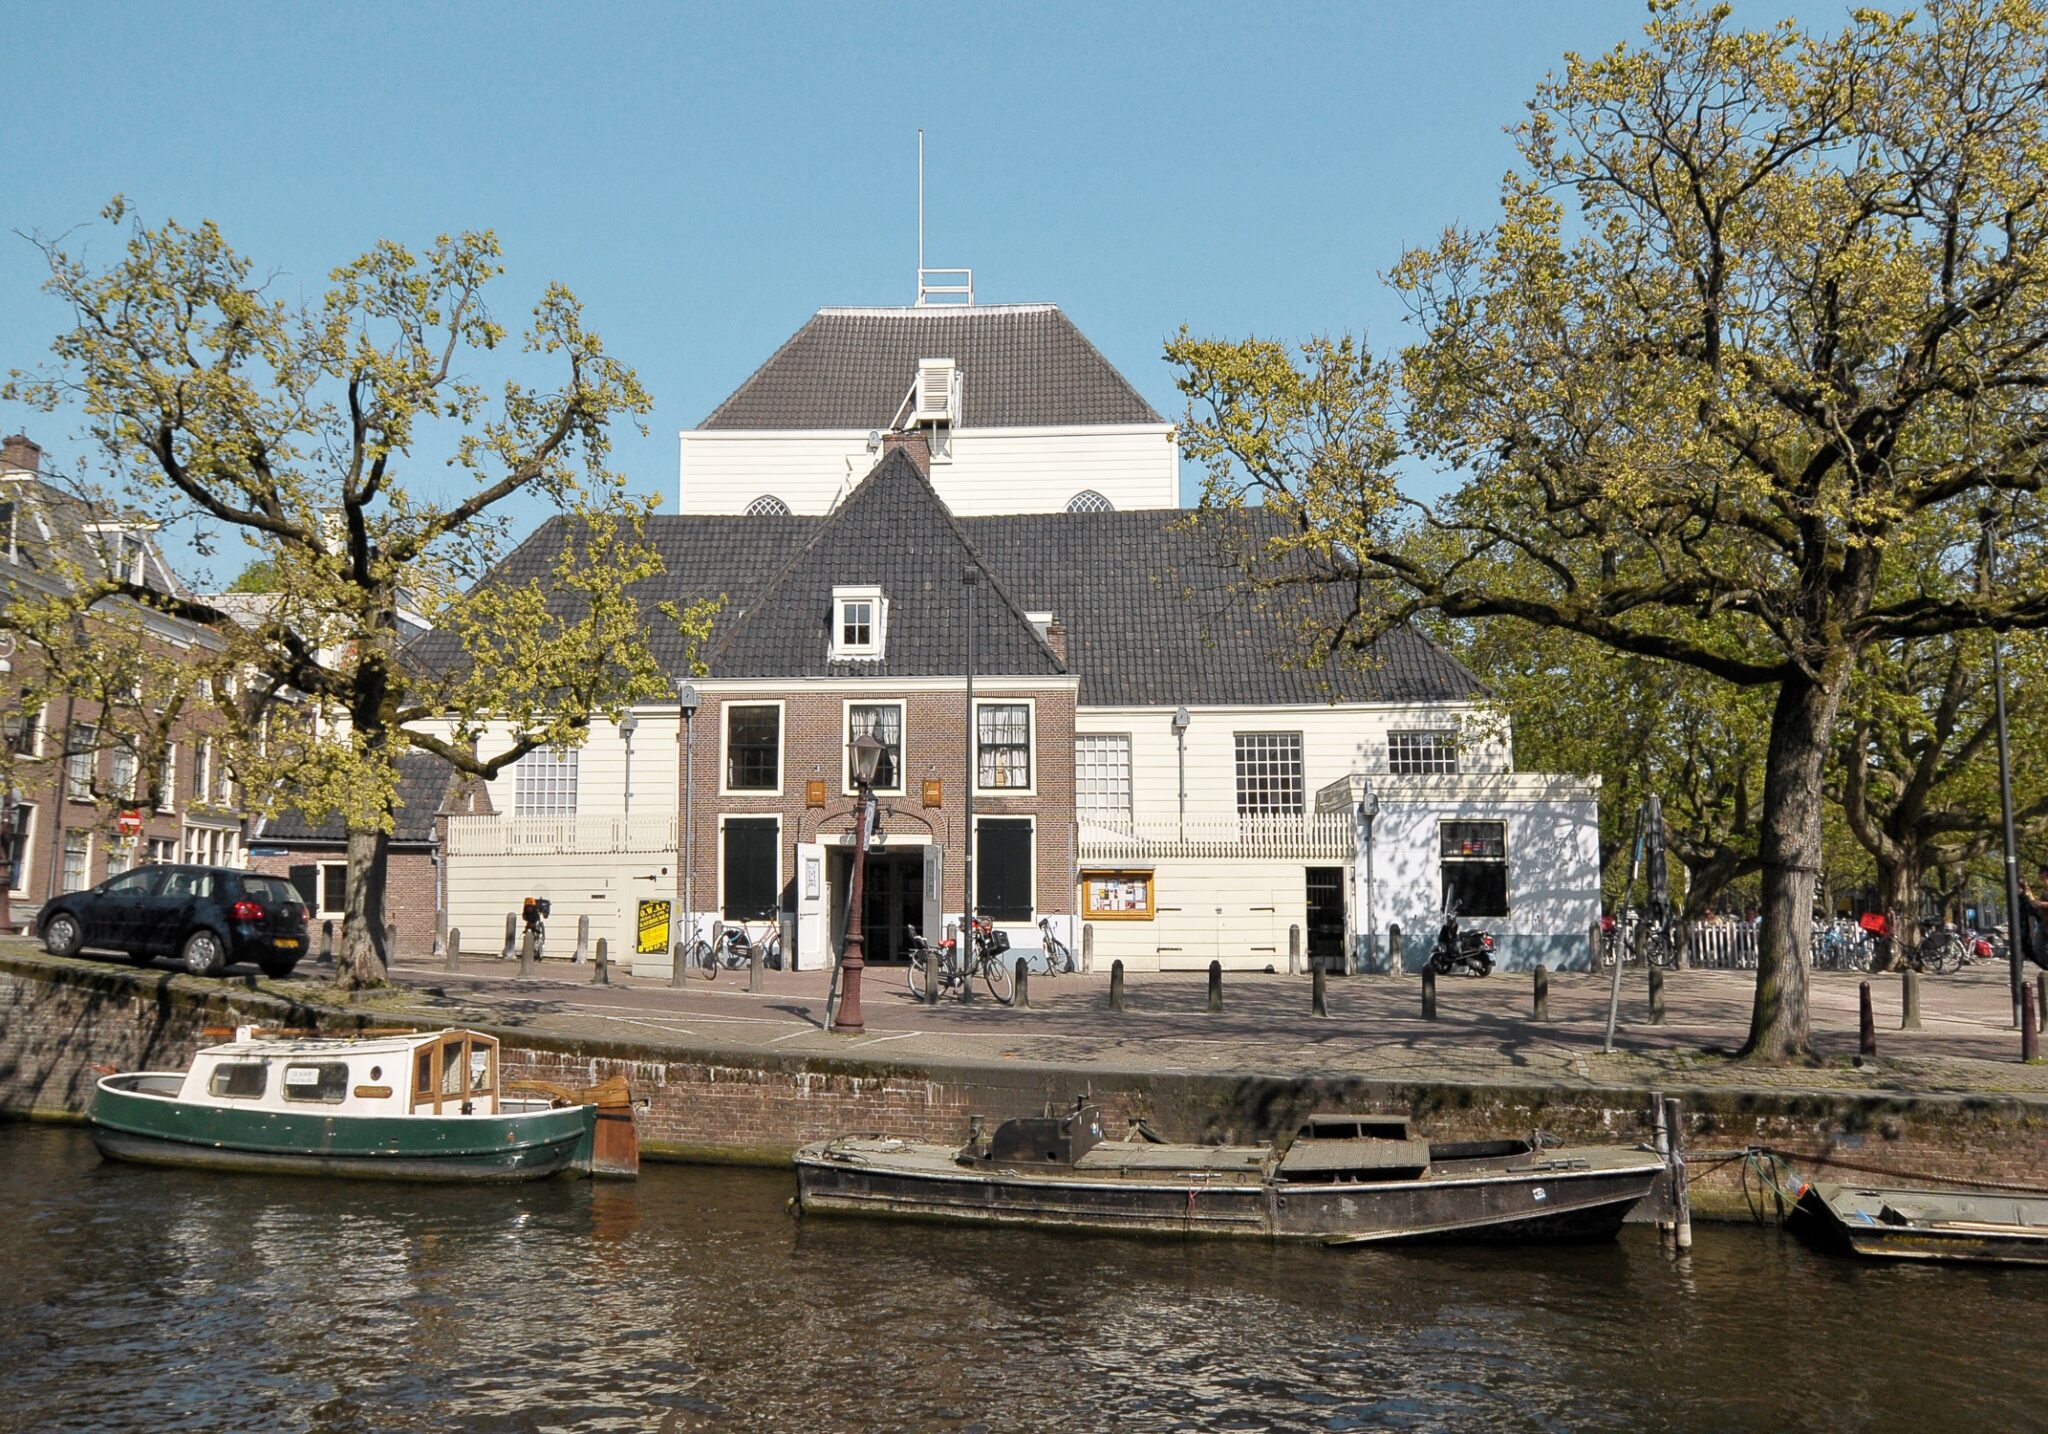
[
  {"x": 61, "y": 935},
  {"x": 202, "y": 954},
  {"x": 277, "y": 970}
]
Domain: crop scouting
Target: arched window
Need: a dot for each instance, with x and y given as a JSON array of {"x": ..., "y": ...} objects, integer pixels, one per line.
[
  {"x": 767, "y": 506},
  {"x": 1089, "y": 501}
]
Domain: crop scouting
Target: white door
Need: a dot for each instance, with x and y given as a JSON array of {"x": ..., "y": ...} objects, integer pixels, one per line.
[{"x": 813, "y": 934}]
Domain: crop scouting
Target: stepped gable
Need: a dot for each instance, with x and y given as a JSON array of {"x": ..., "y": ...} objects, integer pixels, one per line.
[
  {"x": 1154, "y": 617},
  {"x": 891, "y": 532},
  {"x": 1021, "y": 365}
]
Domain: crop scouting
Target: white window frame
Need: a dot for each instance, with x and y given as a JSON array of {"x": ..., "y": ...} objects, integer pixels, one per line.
[
  {"x": 202, "y": 769},
  {"x": 123, "y": 787},
  {"x": 1030, "y": 706},
  {"x": 324, "y": 911},
  {"x": 122, "y": 563},
  {"x": 35, "y": 733},
  {"x": 212, "y": 846},
  {"x": 847, "y": 786},
  {"x": 160, "y": 851},
  {"x": 1121, "y": 819},
  {"x": 64, "y": 861},
  {"x": 1427, "y": 757},
  {"x": 27, "y": 837},
  {"x": 167, "y": 781},
  {"x": 725, "y": 787},
  {"x": 1237, "y": 774},
  {"x": 528, "y": 783},
  {"x": 878, "y": 627},
  {"x": 717, "y": 913},
  {"x": 90, "y": 757}
]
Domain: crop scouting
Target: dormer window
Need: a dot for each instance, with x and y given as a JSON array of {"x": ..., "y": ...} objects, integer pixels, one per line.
[
  {"x": 860, "y": 623},
  {"x": 123, "y": 551}
]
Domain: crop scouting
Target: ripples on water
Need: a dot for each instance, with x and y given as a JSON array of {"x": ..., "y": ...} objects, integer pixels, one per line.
[{"x": 133, "y": 1299}]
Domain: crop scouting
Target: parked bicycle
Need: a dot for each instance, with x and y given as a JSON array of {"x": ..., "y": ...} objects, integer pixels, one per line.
[
  {"x": 533, "y": 915},
  {"x": 1633, "y": 935},
  {"x": 986, "y": 948},
  {"x": 734, "y": 950},
  {"x": 1059, "y": 959},
  {"x": 1947, "y": 949},
  {"x": 1840, "y": 945}
]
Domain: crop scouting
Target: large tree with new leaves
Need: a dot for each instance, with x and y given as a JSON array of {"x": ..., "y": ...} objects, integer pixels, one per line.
[
  {"x": 1759, "y": 307},
  {"x": 295, "y": 426}
]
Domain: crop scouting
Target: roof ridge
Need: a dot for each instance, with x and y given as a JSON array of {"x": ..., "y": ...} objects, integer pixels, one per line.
[{"x": 918, "y": 310}]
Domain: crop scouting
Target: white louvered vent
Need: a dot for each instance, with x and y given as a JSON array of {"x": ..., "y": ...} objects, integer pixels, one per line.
[{"x": 938, "y": 392}]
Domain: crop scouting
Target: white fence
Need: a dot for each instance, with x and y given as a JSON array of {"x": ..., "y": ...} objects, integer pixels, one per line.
[
  {"x": 1323, "y": 836},
  {"x": 1731, "y": 947},
  {"x": 578, "y": 836}
]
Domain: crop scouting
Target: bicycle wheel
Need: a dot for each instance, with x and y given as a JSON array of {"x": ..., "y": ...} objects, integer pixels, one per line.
[
  {"x": 915, "y": 977},
  {"x": 1660, "y": 950},
  {"x": 1058, "y": 959},
  {"x": 705, "y": 960},
  {"x": 1002, "y": 981},
  {"x": 773, "y": 958},
  {"x": 1942, "y": 953}
]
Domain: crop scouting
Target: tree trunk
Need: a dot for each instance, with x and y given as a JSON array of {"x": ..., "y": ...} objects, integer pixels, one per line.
[
  {"x": 363, "y": 960},
  {"x": 1802, "y": 723},
  {"x": 1899, "y": 901}
]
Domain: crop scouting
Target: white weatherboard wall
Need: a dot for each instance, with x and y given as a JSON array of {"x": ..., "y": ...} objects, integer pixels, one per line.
[
  {"x": 992, "y": 470},
  {"x": 594, "y": 867},
  {"x": 1553, "y": 851},
  {"x": 1235, "y": 912}
]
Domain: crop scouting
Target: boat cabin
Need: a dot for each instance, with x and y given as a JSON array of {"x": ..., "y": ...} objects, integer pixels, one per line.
[{"x": 378, "y": 1073}]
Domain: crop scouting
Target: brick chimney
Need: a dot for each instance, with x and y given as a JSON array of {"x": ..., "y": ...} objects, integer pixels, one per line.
[
  {"x": 19, "y": 454},
  {"x": 914, "y": 442},
  {"x": 1056, "y": 639}
]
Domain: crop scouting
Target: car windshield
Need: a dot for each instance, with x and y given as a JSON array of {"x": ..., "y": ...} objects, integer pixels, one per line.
[{"x": 269, "y": 888}]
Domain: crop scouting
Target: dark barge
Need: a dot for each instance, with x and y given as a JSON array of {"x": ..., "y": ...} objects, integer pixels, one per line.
[
  {"x": 1344, "y": 1179},
  {"x": 1891, "y": 1222}
]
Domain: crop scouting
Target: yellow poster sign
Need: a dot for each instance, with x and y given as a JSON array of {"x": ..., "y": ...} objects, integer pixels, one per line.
[{"x": 653, "y": 928}]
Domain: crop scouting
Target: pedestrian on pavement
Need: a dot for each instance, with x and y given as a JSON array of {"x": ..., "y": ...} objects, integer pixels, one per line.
[{"x": 2032, "y": 930}]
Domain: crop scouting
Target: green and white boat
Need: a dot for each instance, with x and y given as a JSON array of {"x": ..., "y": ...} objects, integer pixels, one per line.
[{"x": 392, "y": 1105}]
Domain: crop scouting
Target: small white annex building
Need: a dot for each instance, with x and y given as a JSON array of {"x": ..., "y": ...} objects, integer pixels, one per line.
[{"x": 1148, "y": 763}]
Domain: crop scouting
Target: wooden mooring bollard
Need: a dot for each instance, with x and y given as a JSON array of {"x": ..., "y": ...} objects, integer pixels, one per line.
[
  {"x": 452, "y": 958},
  {"x": 511, "y": 936},
  {"x": 1293, "y": 950},
  {"x": 757, "y": 980},
  {"x": 1022, "y": 1000},
  {"x": 1671, "y": 1119},
  {"x": 1539, "y": 1004},
  {"x": 1396, "y": 958},
  {"x": 1087, "y": 947},
  {"x": 1319, "y": 992},
  {"x": 1429, "y": 993},
  {"x": 1909, "y": 999},
  {"x": 1656, "y": 996},
  {"x": 1116, "y": 985},
  {"x": 327, "y": 943},
  {"x": 1215, "y": 986},
  {"x": 679, "y": 955},
  {"x": 601, "y": 975},
  {"x": 526, "y": 954},
  {"x": 1866, "y": 1021},
  {"x": 2030, "y": 1027}
]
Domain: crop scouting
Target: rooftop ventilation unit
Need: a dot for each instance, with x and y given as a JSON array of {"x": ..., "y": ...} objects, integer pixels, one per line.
[{"x": 938, "y": 392}]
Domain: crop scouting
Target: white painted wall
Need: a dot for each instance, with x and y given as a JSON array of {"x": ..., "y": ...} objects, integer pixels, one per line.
[
  {"x": 1335, "y": 742},
  {"x": 607, "y": 887},
  {"x": 992, "y": 470},
  {"x": 1235, "y": 912},
  {"x": 602, "y": 768}
]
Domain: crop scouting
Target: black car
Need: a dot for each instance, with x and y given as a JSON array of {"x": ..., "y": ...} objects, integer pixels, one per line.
[{"x": 206, "y": 916}]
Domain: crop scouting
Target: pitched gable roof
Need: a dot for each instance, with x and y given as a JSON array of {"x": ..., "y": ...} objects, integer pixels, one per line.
[
  {"x": 894, "y": 533},
  {"x": 1021, "y": 365},
  {"x": 424, "y": 781}
]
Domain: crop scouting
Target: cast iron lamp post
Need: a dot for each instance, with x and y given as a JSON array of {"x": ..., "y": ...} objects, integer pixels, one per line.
[
  {"x": 866, "y": 750},
  {"x": 687, "y": 703}
]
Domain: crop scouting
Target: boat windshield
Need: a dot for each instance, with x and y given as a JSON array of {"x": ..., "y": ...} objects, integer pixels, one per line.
[{"x": 459, "y": 1069}]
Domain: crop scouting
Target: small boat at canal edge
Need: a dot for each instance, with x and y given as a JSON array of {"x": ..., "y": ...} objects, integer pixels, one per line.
[
  {"x": 1344, "y": 1179},
  {"x": 393, "y": 1105},
  {"x": 1889, "y": 1222}
]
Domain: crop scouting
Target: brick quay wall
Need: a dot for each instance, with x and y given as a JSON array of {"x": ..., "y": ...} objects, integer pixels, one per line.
[{"x": 62, "y": 1024}]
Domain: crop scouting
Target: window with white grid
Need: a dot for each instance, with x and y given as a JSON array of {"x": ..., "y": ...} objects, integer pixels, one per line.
[
  {"x": 1003, "y": 737},
  {"x": 1423, "y": 754},
  {"x": 1269, "y": 774},
  {"x": 79, "y": 759},
  {"x": 77, "y": 860},
  {"x": 1102, "y": 780},
  {"x": 544, "y": 783}
]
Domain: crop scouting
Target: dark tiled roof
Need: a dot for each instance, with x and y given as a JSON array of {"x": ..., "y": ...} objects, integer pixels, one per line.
[
  {"x": 423, "y": 782},
  {"x": 1154, "y": 615},
  {"x": 892, "y": 532},
  {"x": 1021, "y": 366}
]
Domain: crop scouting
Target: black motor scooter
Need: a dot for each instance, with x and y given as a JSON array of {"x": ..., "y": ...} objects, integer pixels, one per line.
[{"x": 1457, "y": 950}]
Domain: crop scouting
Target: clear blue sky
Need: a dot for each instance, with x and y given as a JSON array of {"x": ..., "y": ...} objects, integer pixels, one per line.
[{"x": 706, "y": 176}]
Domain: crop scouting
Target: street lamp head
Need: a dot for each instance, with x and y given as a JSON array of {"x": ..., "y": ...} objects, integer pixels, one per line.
[
  {"x": 1181, "y": 719},
  {"x": 867, "y": 756},
  {"x": 629, "y": 723},
  {"x": 1368, "y": 802},
  {"x": 688, "y": 699}
]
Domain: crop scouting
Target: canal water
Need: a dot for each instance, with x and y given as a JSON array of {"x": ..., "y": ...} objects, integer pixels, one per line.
[{"x": 134, "y": 1299}]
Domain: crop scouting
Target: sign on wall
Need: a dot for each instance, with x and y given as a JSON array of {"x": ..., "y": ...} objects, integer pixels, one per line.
[
  {"x": 1117, "y": 895},
  {"x": 654, "y": 923}
]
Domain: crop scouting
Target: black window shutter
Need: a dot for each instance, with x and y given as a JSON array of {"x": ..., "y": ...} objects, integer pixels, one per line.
[
  {"x": 751, "y": 874},
  {"x": 307, "y": 880},
  {"x": 1002, "y": 869}
]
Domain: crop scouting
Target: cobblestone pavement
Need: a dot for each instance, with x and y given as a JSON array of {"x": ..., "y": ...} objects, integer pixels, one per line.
[{"x": 1484, "y": 1032}]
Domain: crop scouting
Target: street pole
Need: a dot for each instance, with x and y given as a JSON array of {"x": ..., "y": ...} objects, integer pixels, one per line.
[
  {"x": 866, "y": 753},
  {"x": 687, "y": 703},
  {"x": 1368, "y": 812},
  {"x": 2015, "y": 929},
  {"x": 968, "y": 579}
]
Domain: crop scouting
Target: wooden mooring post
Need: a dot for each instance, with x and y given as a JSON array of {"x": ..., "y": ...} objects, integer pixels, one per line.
[
  {"x": 1087, "y": 947},
  {"x": 1396, "y": 957},
  {"x": 602, "y": 974},
  {"x": 1866, "y": 1021},
  {"x": 1116, "y": 985},
  {"x": 1681, "y": 1198},
  {"x": 1539, "y": 1003},
  {"x": 526, "y": 954},
  {"x": 511, "y": 936},
  {"x": 1656, "y": 996},
  {"x": 1215, "y": 986},
  {"x": 327, "y": 943},
  {"x": 1318, "y": 991},
  {"x": 1429, "y": 993},
  {"x": 2030, "y": 1028},
  {"x": 582, "y": 940},
  {"x": 1909, "y": 999},
  {"x": 452, "y": 958},
  {"x": 1022, "y": 1000}
]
